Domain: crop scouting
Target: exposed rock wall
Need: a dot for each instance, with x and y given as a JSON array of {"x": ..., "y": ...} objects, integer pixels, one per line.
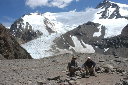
[
  {"x": 23, "y": 33},
  {"x": 106, "y": 5},
  {"x": 117, "y": 45},
  {"x": 9, "y": 47}
]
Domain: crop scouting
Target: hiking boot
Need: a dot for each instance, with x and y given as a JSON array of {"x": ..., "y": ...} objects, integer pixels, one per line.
[
  {"x": 87, "y": 76},
  {"x": 94, "y": 74},
  {"x": 72, "y": 74}
]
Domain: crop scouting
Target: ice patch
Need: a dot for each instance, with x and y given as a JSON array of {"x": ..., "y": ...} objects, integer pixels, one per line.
[
  {"x": 113, "y": 26},
  {"x": 79, "y": 48},
  {"x": 106, "y": 49},
  {"x": 97, "y": 34},
  {"x": 41, "y": 47},
  {"x": 66, "y": 21}
]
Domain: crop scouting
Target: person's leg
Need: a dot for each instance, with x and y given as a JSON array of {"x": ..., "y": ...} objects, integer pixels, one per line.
[
  {"x": 72, "y": 71},
  {"x": 92, "y": 71},
  {"x": 87, "y": 70}
]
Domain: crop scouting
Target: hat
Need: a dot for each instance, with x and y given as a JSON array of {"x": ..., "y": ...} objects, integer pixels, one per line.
[
  {"x": 89, "y": 58},
  {"x": 73, "y": 57}
]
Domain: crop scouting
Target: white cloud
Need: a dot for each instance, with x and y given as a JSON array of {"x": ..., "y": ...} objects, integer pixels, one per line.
[
  {"x": 35, "y": 3},
  {"x": 50, "y": 3},
  {"x": 77, "y": 0},
  {"x": 73, "y": 10},
  {"x": 89, "y": 9}
]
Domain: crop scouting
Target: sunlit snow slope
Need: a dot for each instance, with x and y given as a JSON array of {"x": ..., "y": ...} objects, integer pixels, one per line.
[{"x": 63, "y": 22}]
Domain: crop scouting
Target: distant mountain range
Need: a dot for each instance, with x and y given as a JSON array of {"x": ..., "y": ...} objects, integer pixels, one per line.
[{"x": 101, "y": 30}]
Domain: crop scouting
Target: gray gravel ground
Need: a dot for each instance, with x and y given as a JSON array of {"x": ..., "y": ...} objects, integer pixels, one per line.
[{"x": 34, "y": 71}]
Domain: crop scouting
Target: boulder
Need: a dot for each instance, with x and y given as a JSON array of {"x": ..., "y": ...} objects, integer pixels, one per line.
[
  {"x": 125, "y": 81},
  {"x": 102, "y": 60},
  {"x": 72, "y": 82},
  {"x": 119, "y": 70},
  {"x": 108, "y": 68},
  {"x": 2, "y": 57}
]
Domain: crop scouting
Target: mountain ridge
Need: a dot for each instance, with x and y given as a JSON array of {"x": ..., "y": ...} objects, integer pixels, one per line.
[
  {"x": 9, "y": 47},
  {"x": 53, "y": 25}
]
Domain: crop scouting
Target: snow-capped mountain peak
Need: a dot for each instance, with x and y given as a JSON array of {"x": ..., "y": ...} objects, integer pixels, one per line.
[
  {"x": 50, "y": 26},
  {"x": 107, "y": 4},
  {"x": 110, "y": 10}
]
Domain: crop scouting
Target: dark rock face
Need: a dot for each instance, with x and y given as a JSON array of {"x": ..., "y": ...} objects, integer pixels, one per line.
[
  {"x": 125, "y": 31},
  {"x": 46, "y": 22},
  {"x": 9, "y": 47},
  {"x": 104, "y": 14},
  {"x": 2, "y": 57},
  {"x": 107, "y": 4},
  {"x": 23, "y": 34},
  {"x": 83, "y": 32},
  {"x": 116, "y": 46}
]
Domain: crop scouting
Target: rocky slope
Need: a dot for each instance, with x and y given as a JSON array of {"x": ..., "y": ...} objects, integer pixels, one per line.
[
  {"x": 106, "y": 13},
  {"x": 52, "y": 70},
  {"x": 81, "y": 31},
  {"x": 84, "y": 39},
  {"x": 9, "y": 47},
  {"x": 23, "y": 33}
]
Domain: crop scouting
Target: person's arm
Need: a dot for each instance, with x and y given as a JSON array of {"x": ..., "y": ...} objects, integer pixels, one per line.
[
  {"x": 93, "y": 64},
  {"x": 68, "y": 70},
  {"x": 76, "y": 64},
  {"x": 68, "y": 67},
  {"x": 85, "y": 64}
]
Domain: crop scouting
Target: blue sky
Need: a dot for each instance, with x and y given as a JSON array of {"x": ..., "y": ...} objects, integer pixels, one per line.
[{"x": 11, "y": 10}]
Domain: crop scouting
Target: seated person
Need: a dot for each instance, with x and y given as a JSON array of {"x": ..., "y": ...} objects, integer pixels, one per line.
[
  {"x": 72, "y": 67},
  {"x": 89, "y": 66}
]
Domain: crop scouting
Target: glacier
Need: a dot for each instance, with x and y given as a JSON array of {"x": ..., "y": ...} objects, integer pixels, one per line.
[{"x": 65, "y": 21}]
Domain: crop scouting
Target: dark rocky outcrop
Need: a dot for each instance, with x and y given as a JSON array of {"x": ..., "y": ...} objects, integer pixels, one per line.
[
  {"x": 83, "y": 32},
  {"x": 46, "y": 22},
  {"x": 117, "y": 45},
  {"x": 125, "y": 31},
  {"x": 9, "y": 47},
  {"x": 23, "y": 33},
  {"x": 107, "y": 4}
]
